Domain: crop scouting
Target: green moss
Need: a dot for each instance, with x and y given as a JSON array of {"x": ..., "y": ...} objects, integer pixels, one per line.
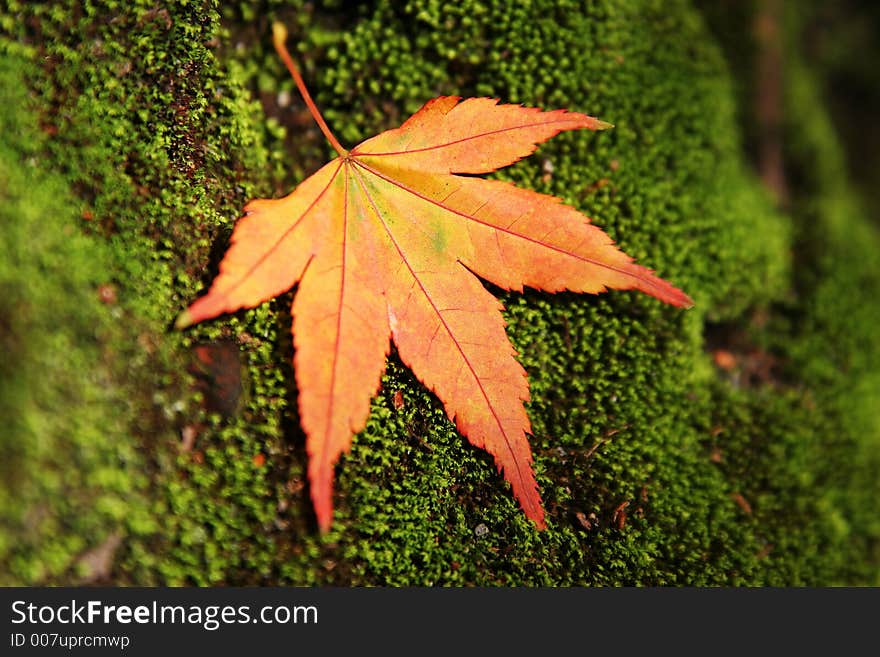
[
  {"x": 71, "y": 475},
  {"x": 656, "y": 466}
]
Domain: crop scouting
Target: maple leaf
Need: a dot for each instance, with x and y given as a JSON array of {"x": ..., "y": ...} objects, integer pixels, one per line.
[{"x": 386, "y": 243}]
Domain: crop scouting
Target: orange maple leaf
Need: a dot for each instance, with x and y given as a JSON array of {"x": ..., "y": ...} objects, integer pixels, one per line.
[{"x": 386, "y": 241}]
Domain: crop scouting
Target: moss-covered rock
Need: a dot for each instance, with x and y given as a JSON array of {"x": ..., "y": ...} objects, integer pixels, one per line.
[{"x": 735, "y": 443}]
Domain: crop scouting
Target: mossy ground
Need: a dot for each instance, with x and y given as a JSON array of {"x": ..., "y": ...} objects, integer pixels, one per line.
[{"x": 132, "y": 138}]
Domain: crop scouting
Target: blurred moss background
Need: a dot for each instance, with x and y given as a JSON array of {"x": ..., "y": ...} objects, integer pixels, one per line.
[{"x": 736, "y": 443}]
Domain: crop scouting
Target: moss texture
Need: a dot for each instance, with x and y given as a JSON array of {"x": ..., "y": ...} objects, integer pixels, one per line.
[{"x": 133, "y": 135}]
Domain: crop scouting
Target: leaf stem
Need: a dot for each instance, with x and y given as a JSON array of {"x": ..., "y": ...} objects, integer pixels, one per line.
[{"x": 279, "y": 36}]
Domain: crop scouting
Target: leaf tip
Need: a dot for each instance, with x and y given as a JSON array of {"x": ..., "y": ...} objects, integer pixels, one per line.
[
  {"x": 324, "y": 514},
  {"x": 183, "y": 320},
  {"x": 602, "y": 125},
  {"x": 680, "y": 299}
]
